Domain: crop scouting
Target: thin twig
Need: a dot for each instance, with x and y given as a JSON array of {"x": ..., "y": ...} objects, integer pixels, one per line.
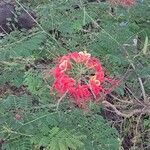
[
  {"x": 141, "y": 84},
  {"x": 126, "y": 115},
  {"x": 53, "y": 38},
  {"x": 61, "y": 98},
  {"x": 122, "y": 101}
]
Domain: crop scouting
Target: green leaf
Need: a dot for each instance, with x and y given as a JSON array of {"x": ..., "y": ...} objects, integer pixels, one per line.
[
  {"x": 54, "y": 144},
  {"x": 145, "y": 48},
  {"x": 44, "y": 141},
  {"x": 62, "y": 145}
]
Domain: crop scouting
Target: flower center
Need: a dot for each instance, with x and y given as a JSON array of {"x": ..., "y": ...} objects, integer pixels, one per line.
[{"x": 80, "y": 73}]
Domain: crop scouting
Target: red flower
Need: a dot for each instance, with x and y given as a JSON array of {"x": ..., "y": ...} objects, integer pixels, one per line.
[
  {"x": 95, "y": 85},
  {"x": 64, "y": 58},
  {"x": 74, "y": 56},
  {"x": 80, "y": 94},
  {"x": 94, "y": 63},
  {"x": 57, "y": 72},
  {"x": 127, "y": 2},
  {"x": 63, "y": 83},
  {"x": 82, "y": 83},
  {"x": 124, "y": 3},
  {"x": 18, "y": 117},
  {"x": 64, "y": 65}
]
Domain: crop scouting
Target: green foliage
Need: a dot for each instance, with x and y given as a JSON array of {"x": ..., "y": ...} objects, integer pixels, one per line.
[
  {"x": 36, "y": 85},
  {"x": 20, "y": 143},
  {"x": 20, "y": 45},
  {"x": 96, "y": 129},
  {"x": 147, "y": 123},
  {"x": 42, "y": 126},
  {"x": 32, "y": 120},
  {"x": 56, "y": 139},
  {"x": 11, "y": 72}
]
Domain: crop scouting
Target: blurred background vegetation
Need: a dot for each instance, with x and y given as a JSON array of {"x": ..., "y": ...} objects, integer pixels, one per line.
[{"x": 29, "y": 116}]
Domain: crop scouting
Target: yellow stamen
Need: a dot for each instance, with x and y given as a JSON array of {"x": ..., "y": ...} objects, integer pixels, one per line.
[
  {"x": 93, "y": 79},
  {"x": 63, "y": 65}
]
